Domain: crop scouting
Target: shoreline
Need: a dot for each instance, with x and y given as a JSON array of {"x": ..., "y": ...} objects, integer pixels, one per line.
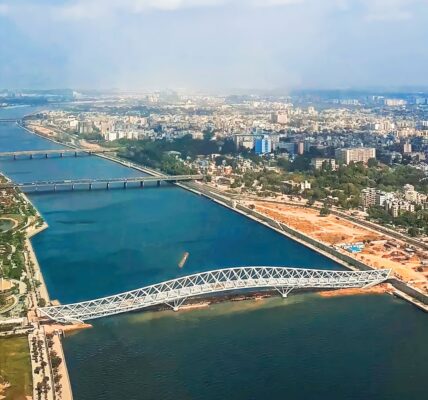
[
  {"x": 405, "y": 291},
  {"x": 262, "y": 294},
  {"x": 41, "y": 292}
]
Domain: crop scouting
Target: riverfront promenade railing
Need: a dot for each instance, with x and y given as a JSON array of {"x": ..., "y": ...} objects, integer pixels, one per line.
[{"x": 175, "y": 291}]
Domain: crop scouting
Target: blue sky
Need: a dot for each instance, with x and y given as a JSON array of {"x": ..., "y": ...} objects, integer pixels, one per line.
[{"x": 213, "y": 44}]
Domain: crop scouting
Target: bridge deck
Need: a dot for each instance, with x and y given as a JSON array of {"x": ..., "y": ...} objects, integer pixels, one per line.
[
  {"x": 175, "y": 291},
  {"x": 55, "y": 151},
  {"x": 73, "y": 182}
]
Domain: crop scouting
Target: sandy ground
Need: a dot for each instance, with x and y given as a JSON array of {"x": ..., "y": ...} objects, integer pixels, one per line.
[
  {"x": 378, "y": 289},
  {"x": 93, "y": 146},
  {"x": 50, "y": 133},
  {"x": 381, "y": 251},
  {"x": 41, "y": 130},
  {"x": 51, "y": 328},
  {"x": 3, "y": 388}
]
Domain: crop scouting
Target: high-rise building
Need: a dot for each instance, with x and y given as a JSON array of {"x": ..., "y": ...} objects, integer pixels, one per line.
[
  {"x": 279, "y": 118},
  {"x": 395, "y": 102},
  {"x": 368, "y": 197},
  {"x": 356, "y": 154},
  {"x": 85, "y": 127},
  {"x": 317, "y": 163},
  {"x": 245, "y": 141},
  {"x": 290, "y": 147},
  {"x": 263, "y": 145},
  {"x": 407, "y": 148}
]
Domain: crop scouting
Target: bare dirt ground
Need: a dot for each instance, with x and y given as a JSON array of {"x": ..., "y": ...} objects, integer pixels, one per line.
[
  {"x": 42, "y": 130},
  {"x": 52, "y": 134},
  {"x": 379, "y": 289},
  {"x": 380, "y": 251}
]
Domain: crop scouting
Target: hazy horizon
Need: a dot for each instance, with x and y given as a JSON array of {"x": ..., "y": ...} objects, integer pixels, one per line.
[{"x": 213, "y": 45}]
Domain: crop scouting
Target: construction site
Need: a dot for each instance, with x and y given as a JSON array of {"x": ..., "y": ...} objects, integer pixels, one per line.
[{"x": 375, "y": 249}]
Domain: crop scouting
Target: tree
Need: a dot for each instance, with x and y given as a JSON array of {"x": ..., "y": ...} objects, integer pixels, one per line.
[
  {"x": 41, "y": 302},
  {"x": 324, "y": 211},
  {"x": 413, "y": 231},
  {"x": 55, "y": 360},
  {"x": 372, "y": 163}
]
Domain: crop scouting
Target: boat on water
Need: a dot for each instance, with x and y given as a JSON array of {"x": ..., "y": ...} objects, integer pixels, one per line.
[{"x": 183, "y": 260}]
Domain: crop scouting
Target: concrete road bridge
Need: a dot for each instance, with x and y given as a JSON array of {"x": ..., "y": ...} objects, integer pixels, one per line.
[
  {"x": 175, "y": 291},
  {"x": 101, "y": 183},
  {"x": 17, "y": 155}
]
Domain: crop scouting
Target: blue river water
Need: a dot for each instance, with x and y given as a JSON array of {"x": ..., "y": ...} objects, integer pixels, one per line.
[{"x": 104, "y": 242}]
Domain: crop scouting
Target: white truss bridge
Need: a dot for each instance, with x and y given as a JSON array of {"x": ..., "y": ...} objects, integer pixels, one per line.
[{"x": 175, "y": 291}]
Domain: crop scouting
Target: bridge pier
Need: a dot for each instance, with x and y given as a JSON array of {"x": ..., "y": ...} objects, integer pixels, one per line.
[
  {"x": 284, "y": 291},
  {"x": 142, "y": 184},
  {"x": 14, "y": 157},
  {"x": 61, "y": 155},
  {"x": 158, "y": 183},
  {"x": 108, "y": 186},
  {"x": 54, "y": 188},
  {"x": 46, "y": 155},
  {"x": 72, "y": 186},
  {"x": 90, "y": 186},
  {"x": 176, "y": 304},
  {"x": 31, "y": 156},
  {"x": 125, "y": 184},
  {"x": 75, "y": 154}
]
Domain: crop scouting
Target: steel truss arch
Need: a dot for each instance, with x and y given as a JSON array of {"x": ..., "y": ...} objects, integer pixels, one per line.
[{"x": 175, "y": 291}]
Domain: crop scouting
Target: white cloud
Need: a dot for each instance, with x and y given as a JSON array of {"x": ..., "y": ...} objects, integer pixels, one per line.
[
  {"x": 211, "y": 43},
  {"x": 274, "y": 3},
  {"x": 4, "y": 9},
  {"x": 391, "y": 10},
  {"x": 91, "y": 9}
]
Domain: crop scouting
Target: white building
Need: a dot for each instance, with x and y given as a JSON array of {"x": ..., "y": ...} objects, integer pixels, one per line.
[{"x": 355, "y": 154}]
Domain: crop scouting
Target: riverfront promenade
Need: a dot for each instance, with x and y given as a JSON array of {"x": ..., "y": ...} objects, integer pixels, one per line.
[
  {"x": 47, "y": 383},
  {"x": 59, "y": 386}
]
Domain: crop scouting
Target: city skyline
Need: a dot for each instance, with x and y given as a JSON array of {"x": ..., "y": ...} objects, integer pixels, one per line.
[{"x": 213, "y": 45}]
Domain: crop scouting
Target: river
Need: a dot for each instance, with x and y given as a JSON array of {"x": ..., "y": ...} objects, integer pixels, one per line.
[{"x": 103, "y": 242}]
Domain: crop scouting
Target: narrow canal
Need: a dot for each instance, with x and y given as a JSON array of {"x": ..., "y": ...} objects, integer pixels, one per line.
[{"x": 104, "y": 242}]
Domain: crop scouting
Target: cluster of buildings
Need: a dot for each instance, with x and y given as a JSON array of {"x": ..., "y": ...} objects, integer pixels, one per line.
[
  {"x": 155, "y": 116},
  {"x": 392, "y": 130},
  {"x": 394, "y": 202}
]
